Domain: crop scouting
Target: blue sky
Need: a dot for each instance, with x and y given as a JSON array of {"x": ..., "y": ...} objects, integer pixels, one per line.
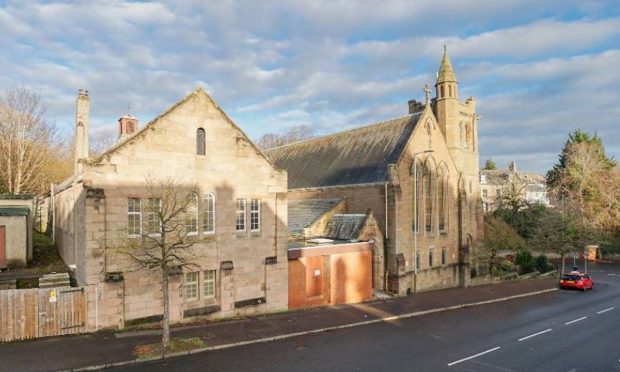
[{"x": 538, "y": 69}]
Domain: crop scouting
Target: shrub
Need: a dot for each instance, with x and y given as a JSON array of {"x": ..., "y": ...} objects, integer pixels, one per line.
[
  {"x": 506, "y": 266},
  {"x": 542, "y": 263},
  {"x": 525, "y": 262}
]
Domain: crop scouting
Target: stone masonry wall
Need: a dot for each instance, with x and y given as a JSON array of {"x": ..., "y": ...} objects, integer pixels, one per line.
[{"x": 231, "y": 168}]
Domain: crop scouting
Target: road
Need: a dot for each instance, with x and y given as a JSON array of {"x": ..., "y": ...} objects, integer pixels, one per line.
[{"x": 558, "y": 331}]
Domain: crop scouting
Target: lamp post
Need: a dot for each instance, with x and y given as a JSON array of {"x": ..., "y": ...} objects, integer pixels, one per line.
[{"x": 415, "y": 218}]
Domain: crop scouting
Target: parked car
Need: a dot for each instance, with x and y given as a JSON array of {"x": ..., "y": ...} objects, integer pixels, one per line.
[{"x": 578, "y": 280}]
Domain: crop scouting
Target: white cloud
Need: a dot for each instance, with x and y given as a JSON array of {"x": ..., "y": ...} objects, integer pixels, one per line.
[{"x": 274, "y": 64}]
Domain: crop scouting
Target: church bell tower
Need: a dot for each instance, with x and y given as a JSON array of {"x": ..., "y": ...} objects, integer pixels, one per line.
[{"x": 447, "y": 102}]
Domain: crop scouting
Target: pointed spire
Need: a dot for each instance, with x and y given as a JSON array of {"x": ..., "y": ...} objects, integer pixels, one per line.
[{"x": 446, "y": 73}]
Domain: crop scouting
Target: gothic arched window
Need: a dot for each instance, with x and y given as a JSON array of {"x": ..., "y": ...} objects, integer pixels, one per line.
[
  {"x": 200, "y": 141},
  {"x": 442, "y": 195},
  {"x": 418, "y": 171},
  {"x": 427, "y": 186}
]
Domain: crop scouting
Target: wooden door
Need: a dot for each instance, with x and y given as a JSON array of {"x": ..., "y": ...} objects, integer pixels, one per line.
[{"x": 2, "y": 246}]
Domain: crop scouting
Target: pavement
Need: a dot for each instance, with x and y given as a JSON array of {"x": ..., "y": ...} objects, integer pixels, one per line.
[{"x": 109, "y": 348}]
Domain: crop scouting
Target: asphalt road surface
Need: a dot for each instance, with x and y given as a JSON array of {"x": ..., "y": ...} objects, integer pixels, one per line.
[{"x": 566, "y": 330}]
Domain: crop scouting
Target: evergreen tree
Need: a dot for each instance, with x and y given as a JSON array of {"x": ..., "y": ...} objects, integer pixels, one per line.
[
  {"x": 489, "y": 165},
  {"x": 578, "y": 137}
]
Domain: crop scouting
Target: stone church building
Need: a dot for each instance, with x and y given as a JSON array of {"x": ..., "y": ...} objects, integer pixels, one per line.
[
  {"x": 239, "y": 208},
  {"x": 412, "y": 181},
  {"x": 418, "y": 173}
]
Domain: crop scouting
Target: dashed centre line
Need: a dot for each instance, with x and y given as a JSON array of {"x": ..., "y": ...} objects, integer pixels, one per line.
[
  {"x": 473, "y": 356},
  {"x": 576, "y": 320},
  {"x": 604, "y": 311},
  {"x": 535, "y": 334}
]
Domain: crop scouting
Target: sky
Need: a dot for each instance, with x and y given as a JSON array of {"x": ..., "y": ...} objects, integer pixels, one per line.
[{"x": 538, "y": 69}]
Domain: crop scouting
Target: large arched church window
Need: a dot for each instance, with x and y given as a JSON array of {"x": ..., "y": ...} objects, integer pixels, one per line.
[
  {"x": 417, "y": 196},
  {"x": 442, "y": 197},
  {"x": 428, "y": 189}
]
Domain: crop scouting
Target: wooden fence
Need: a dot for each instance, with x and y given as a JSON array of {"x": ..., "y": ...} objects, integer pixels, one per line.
[{"x": 33, "y": 313}]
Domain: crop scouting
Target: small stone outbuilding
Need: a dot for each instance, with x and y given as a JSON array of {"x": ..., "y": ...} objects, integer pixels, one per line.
[{"x": 15, "y": 230}]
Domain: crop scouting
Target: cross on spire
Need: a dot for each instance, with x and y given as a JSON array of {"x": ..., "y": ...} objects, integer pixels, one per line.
[
  {"x": 427, "y": 93},
  {"x": 129, "y": 108}
]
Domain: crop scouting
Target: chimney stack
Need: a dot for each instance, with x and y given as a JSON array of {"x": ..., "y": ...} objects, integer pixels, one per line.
[
  {"x": 81, "y": 129},
  {"x": 127, "y": 125}
]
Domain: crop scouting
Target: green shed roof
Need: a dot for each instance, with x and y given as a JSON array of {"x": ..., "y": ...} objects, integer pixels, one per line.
[{"x": 14, "y": 211}]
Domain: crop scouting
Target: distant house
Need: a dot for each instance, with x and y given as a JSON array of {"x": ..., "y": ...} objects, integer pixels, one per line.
[
  {"x": 16, "y": 224},
  {"x": 498, "y": 183}
]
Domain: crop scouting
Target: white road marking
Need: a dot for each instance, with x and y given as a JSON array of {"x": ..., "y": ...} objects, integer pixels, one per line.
[
  {"x": 535, "y": 334},
  {"x": 473, "y": 356},
  {"x": 576, "y": 320},
  {"x": 604, "y": 311}
]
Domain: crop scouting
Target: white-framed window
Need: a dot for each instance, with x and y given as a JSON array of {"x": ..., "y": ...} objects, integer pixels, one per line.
[
  {"x": 255, "y": 215},
  {"x": 208, "y": 219},
  {"x": 484, "y": 194},
  {"x": 192, "y": 215},
  {"x": 240, "y": 215},
  {"x": 191, "y": 286},
  {"x": 209, "y": 284},
  {"x": 153, "y": 223},
  {"x": 134, "y": 217}
]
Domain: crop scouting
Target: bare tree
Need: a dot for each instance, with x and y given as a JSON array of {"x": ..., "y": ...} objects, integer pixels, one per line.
[
  {"x": 561, "y": 231},
  {"x": 294, "y": 134},
  {"x": 498, "y": 237},
  {"x": 28, "y": 142},
  {"x": 165, "y": 243},
  {"x": 102, "y": 140}
]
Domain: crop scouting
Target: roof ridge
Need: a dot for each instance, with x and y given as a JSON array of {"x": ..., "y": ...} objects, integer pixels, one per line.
[
  {"x": 365, "y": 126},
  {"x": 150, "y": 123}
]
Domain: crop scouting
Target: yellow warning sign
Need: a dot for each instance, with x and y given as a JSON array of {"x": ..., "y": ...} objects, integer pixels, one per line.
[{"x": 53, "y": 295}]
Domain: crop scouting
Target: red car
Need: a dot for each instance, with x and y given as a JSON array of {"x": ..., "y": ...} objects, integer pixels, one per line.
[{"x": 578, "y": 280}]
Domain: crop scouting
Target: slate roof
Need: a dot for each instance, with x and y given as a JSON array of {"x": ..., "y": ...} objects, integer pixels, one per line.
[
  {"x": 351, "y": 157},
  {"x": 345, "y": 226},
  {"x": 497, "y": 177},
  {"x": 16, "y": 196},
  {"x": 302, "y": 213},
  {"x": 502, "y": 177}
]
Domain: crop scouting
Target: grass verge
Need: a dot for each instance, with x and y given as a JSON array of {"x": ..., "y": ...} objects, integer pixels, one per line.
[{"x": 176, "y": 345}]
